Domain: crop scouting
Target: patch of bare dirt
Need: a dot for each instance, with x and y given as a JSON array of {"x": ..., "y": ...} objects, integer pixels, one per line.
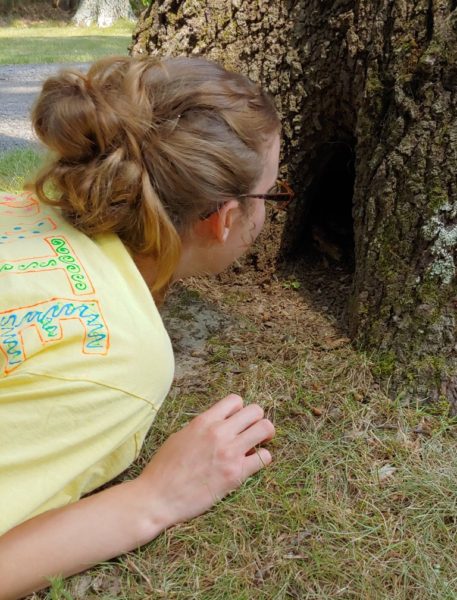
[
  {"x": 190, "y": 322},
  {"x": 258, "y": 316}
]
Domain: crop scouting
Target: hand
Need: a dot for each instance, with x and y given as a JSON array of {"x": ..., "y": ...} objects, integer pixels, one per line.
[{"x": 207, "y": 459}]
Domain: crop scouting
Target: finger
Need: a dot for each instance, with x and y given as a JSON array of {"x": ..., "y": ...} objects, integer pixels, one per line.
[
  {"x": 253, "y": 463},
  {"x": 243, "y": 418},
  {"x": 262, "y": 431},
  {"x": 224, "y": 408}
]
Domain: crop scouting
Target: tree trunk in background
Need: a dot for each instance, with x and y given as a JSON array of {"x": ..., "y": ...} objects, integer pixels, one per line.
[
  {"x": 70, "y": 5},
  {"x": 379, "y": 76},
  {"x": 102, "y": 12}
]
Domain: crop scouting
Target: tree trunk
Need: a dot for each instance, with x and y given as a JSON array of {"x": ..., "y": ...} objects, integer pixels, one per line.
[
  {"x": 374, "y": 80},
  {"x": 69, "y": 5},
  {"x": 102, "y": 12}
]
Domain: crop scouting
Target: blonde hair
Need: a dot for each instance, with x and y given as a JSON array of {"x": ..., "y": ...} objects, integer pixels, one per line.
[{"x": 143, "y": 147}]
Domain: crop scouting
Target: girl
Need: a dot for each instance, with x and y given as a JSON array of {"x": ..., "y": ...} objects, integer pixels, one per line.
[{"x": 159, "y": 170}]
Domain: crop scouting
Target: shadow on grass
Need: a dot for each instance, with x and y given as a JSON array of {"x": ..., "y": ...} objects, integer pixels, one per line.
[
  {"x": 9, "y": 143},
  {"x": 20, "y": 85}
]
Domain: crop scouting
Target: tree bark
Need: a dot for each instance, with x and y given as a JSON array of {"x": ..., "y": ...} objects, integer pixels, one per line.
[
  {"x": 380, "y": 77},
  {"x": 102, "y": 12}
]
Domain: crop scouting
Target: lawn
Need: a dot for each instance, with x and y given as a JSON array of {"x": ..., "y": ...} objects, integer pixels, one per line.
[
  {"x": 16, "y": 166},
  {"x": 361, "y": 500},
  {"x": 61, "y": 42}
]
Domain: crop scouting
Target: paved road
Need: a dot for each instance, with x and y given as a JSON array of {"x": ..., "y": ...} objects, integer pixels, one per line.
[{"x": 19, "y": 86}]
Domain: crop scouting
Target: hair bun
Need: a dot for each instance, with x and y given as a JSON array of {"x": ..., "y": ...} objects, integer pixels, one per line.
[
  {"x": 145, "y": 147},
  {"x": 65, "y": 116}
]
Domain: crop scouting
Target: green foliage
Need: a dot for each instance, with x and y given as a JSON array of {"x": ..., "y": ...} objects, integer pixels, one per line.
[
  {"x": 57, "y": 590},
  {"x": 291, "y": 285},
  {"x": 384, "y": 364}
]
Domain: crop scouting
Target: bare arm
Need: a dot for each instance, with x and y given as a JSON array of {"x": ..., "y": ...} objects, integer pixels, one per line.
[
  {"x": 195, "y": 468},
  {"x": 73, "y": 538}
]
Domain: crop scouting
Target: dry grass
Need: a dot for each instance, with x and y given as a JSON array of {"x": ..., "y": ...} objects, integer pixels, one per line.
[{"x": 360, "y": 502}]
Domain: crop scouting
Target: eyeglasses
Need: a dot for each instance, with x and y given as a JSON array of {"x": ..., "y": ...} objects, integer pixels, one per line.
[{"x": 281, "y": 193}]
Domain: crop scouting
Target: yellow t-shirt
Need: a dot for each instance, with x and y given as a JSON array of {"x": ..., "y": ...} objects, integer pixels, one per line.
[{"x": 85, "y": 361}]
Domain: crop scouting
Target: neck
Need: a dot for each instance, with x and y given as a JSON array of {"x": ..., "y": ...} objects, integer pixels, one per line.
[{"x": 147, "y": 267}]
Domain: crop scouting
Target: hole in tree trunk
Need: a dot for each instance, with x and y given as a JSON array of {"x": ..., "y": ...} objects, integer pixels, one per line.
[
  {"x": 319, "y": 238},
  {"x": 325, "y": 230}
]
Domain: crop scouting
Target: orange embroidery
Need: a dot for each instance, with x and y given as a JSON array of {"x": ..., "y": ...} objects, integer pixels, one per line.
[{"x": 22, "y": 205}]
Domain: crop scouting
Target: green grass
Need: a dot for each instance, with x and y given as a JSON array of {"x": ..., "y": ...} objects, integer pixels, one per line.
[
  {"x": 16, "y": 166},
  {"x": 49, "y": 43}
]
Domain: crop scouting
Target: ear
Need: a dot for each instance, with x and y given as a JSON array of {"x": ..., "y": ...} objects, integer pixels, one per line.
[{"x": 218, "y": 225}]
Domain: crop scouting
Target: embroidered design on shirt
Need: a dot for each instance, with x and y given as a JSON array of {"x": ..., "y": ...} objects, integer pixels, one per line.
[
  {"x": 21, "y": 232},
  {"x": 47, "y": 319},
  {"x": 23, "y": 205},
  {"x": 64, "y": 258}
]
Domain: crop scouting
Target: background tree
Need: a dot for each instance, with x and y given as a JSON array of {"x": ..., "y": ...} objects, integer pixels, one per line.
[
  {"x": 70, "y": 5},
  {"x": 102, "y": 12},
  {"x": 367, "y": 92}
]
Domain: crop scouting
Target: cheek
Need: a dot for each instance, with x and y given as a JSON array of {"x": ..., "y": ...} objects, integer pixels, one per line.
[
  {"x": 254, "y": 223},
  {"x": 259, "y": 219}
]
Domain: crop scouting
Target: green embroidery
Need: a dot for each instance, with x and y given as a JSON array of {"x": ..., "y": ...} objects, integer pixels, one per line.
[
  {"x": 37, "y": 265},
  {"x": 72, "y": 266},
  {"x": 65, "y": 259},
  {"x": 6, "y": 267}
]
